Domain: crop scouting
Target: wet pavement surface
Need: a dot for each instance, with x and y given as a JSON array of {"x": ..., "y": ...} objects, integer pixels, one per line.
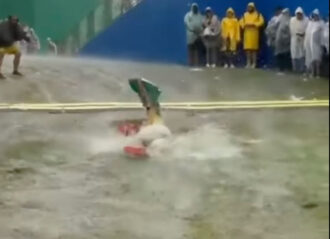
[
  {"x": 67, "y": 80},
  {"x": 231, "y": 174}
]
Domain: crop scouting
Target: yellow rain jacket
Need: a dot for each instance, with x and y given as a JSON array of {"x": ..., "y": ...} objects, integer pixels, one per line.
[
  {"x": 230, "y": 32},
  {"x": 251, "y": 23}
]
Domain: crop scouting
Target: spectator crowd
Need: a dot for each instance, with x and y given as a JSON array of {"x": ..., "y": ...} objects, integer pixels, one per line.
[{"x": 299, "y": 43}]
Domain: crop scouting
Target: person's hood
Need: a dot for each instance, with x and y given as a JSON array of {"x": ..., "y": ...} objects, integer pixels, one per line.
[
  {"x": 230, "y": 10},
  {"x": 299, "y": 10},
  {"x": 285, "y": 15},
  {"x": 208, "y": 9},
  {"x": 286, "y": 11},
  {"x": 194, "y": 5},
  {"x": 316, "y": 12},
  {"x": 252, "y": 4}
]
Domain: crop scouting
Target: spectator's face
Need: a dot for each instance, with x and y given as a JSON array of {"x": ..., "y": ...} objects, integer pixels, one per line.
[
  {"x": 278, "y": 12},
  {"x": 250, "y": 9},
  {"x": 286, "y": 14},
  {"x": 209, "y": 14},
  {"x": 230, "y": 14},
  {"x": 195, "y": 9},
  {"x": 300, "y": 16},
  {"x": 316, "y": 17}
]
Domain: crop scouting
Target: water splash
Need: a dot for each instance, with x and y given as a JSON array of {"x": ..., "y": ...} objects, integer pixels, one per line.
[{"x": 207, "y": 142}]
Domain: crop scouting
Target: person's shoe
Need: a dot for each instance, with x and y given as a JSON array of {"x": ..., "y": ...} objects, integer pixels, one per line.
[
  {"x": 253, "y": 66},
  {"x": 225, "y": 66},
  {"x": 213, "y": 66},
  {"x": 17, "y": 73},
  {"x": 208, "y": 65},
  {"x": 232, "y": 66},
  {"x": 248, "y": 66},
  {"x": 2, "y": 77}
]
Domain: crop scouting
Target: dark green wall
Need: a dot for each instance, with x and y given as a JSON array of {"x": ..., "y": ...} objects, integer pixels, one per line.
[
  {"x": 57, "y": 18},
  {"x": 50, "y": 18},
  {"x": 22, "y": 8}
]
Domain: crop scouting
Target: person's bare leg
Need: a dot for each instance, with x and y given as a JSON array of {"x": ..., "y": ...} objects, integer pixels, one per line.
[
  {"x": 227, "y": 56},
  {"x": 248, "y": 59},
  {"x": 254, "y": 59},
  {"x": 231, "y": 59},
  {"x": 17, "y": 61},
  {"x": 309, "y": 70},
  {"x": 313, "y": 69},
  {"x": 215, "y": 56},
  {"x": 2, "y": 77},
  {"x": 207, "y": 57}
]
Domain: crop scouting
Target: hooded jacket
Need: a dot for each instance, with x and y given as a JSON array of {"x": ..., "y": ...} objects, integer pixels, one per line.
[{"x": 9, "y": 34}]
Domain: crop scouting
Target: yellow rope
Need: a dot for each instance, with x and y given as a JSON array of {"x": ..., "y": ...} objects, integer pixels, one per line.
[
  {"x": 172, "y": 104},
  {"x": 98, "y": 106}
]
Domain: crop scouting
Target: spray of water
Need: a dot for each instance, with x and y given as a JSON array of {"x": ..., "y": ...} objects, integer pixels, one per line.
[{"x": 207, "y": 142}]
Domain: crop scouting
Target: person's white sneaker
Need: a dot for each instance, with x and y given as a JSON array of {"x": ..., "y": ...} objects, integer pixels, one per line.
[
  {"x": 213, "y": 66},
  {"x": 253, "y": 66},
  {"x": 248, "y": 66},
  {"x": 225, "y": 66},
  {"x": 232, "y": 66},
  {"x": 208, "y": 65}
]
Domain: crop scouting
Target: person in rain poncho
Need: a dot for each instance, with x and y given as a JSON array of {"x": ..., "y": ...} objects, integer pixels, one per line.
[
  {"x": 34, "y": 45},
  {"x": 282, "y": 41},
  {"x": 23, "y": 45},
  {"x": 298, "y": 26},
  {"x": 326, "y": 37},
  {"x": 272, "y": 27},
  {"x": 231, "y": 36},
  {"x": 193, "y": 21},
  {"x": 313, "y": 44},
  {"x": 251, "y": 23},
  {"x": 211, "y": 37},
  {"x": 52, "y": 48},
  {"x": 325, "y": 44}
]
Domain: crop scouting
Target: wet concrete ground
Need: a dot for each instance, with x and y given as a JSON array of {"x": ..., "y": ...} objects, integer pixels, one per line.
[
  {"x": 66, "y": 80},
  {"x": 231, "y": 174}
]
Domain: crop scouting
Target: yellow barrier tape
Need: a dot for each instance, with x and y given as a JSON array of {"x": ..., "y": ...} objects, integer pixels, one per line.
[
  {"x": 102, "y": 106},
  {"x": 133, "y": 104}
]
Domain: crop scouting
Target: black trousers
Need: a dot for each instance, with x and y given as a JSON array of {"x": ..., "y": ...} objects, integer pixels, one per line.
[{"x": 284, "y": 61}]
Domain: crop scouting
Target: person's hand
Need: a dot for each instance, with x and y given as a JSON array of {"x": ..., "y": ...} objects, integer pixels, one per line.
[
  {"x": 196, "y": 32},
  {"x": 27, "y": 39},
  {"x": 250, "y": 25}
]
